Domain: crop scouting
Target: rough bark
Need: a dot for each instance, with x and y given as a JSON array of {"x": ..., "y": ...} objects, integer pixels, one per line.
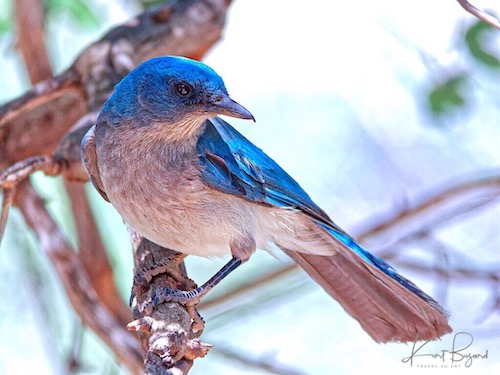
[{"x": 169, "y": 334}]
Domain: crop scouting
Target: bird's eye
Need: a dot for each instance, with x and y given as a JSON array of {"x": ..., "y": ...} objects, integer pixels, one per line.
[{"x": 183, "y": 89}]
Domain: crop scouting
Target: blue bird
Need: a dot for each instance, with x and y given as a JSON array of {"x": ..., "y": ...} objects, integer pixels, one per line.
[{"x": 186, "y": 180}]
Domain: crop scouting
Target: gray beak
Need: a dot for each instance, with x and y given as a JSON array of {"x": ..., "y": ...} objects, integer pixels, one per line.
[{"x": 224, "y": 105}]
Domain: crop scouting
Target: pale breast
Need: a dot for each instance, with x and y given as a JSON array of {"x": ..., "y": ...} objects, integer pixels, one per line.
[{"x": 166, "y": 201}]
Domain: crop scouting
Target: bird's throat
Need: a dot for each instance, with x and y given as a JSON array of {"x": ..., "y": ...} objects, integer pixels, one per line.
[{"x": 183, "y": 135}]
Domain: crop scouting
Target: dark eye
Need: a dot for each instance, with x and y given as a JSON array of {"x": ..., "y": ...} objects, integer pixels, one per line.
[{"x": 183, "y": 89}]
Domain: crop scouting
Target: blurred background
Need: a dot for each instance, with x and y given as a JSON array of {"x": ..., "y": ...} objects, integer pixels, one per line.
[{"x": 372, "y": 107}]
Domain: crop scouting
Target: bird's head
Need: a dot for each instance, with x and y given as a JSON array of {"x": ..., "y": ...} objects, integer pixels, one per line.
[{"x": 175, "y": 92}]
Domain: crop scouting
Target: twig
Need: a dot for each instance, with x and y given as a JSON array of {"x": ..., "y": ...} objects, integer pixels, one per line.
[
  {"x": 492, "y": 304},
  {"x": 74, "y": 365},
  {"x": 13, "y": 176},
  {"x": 482, "y": 15},
  {"x": 256, "y": 284},
  {"x": 8, "y": 197},
  {"x": 269, "y": 366},
  {"x": 17, "y": 172},
  {"x": 434, "y": 209}
]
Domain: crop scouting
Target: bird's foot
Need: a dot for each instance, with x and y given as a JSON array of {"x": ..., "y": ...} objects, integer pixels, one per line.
[
  {"x": 186, "y": 298},
  {"x": 189, "y": 298}
]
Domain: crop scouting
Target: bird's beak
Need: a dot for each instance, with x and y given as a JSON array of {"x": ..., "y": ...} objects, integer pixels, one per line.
[{"x": 224, "y": 105}]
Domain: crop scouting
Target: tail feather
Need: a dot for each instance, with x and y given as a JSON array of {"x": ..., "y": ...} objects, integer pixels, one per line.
[{"x": 388, "y": 306}]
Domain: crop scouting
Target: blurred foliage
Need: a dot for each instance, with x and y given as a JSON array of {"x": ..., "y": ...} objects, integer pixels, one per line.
[
  {"x": 150, "y": 3},
  {"x": 476, "y": 39},
  {"x": 5, "y": 24},
  {"x": 78, "y": 10},
  {"x": 5, "y": 17},
  {"x": 447, "y": 97}
]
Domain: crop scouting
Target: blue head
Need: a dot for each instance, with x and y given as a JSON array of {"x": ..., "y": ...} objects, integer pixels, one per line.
[{"x": 172, "y": 90}]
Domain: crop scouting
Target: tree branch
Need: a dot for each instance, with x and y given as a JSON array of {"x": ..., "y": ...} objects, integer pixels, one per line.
[
  {"x": 482, "y": 15},
  {"x": 169, "y": 332},
  {"x": 29, "y": 17},
  {"x": 433, "y": 209}
]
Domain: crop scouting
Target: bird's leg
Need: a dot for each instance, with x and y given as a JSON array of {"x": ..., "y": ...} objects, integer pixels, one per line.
[
  {"x": 192, "y": 297},
  {"x": 241, "y": 250}
]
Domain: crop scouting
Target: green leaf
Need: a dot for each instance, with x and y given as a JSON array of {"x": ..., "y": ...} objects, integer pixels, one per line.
[
  {"x": 476, "y": 38},
  {"x": 447, "y": 96}
]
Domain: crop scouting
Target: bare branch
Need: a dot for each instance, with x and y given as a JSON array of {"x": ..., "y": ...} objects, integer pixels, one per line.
[
  {"x": 169, "y": 332},
  {"x": 434, "y": 209},
  {"x": 29, "y": 17},
  {"x": 269, "y": 366},
  {"x": 14, "y": 175},
  {"x": 481, "y": 14},
  {"x": 8, "y": 197}
]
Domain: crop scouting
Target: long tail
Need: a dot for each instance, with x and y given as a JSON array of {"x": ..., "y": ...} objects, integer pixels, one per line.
[{"x": 388, "y": 306}]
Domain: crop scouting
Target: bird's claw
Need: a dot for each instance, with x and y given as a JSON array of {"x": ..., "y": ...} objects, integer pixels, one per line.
[{"x": 185, "y": 298}]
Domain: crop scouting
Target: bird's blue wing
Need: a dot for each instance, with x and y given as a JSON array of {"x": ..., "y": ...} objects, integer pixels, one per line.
[{"x": 234, "y": 165}]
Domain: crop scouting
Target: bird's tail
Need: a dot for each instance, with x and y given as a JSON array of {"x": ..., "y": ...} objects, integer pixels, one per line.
[{"x": 388, "y": 306}]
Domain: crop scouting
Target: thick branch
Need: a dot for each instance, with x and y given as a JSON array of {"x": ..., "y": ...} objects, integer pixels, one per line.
[
  {"x": 29, "y": 17},
  {"x": 168, "y": 331}
]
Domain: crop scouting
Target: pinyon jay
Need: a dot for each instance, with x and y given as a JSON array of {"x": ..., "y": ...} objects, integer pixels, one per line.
[{"x": 186, "y": 180}]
